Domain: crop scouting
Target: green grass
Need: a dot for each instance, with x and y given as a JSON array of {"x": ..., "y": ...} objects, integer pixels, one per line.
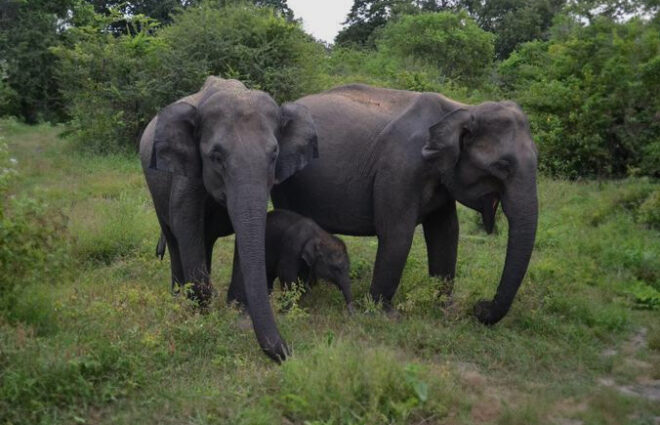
[{"x": 100, "y": 340}]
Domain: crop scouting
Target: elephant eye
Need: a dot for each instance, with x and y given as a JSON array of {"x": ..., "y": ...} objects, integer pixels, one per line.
[
  {"x": 273, "y": 153},
  {"x": 215, "y": 156},
  {"x": 503, "y": 167}
]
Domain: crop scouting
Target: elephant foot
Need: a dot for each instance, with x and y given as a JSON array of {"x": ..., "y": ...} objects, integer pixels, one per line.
[
  {"x": 202, "y": 293},
  {"x": 446, "y": 300},
  {"x": 391, "y": 312},
  {"x": 488, "y": 312}
]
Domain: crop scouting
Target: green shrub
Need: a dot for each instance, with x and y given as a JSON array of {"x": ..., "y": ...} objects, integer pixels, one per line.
[
  {"x": 255, "y": 45},
  {"x": 591, "y": 95},
  {"x": 450, "y": 42},
  {"x": 40, "y": 378},
  {"x": 339, "y": 382},
  {"x": 32, "y": 239},
  {"x": 649, "y": 210},
  {"x": 114, "y": 85},
  {"x": 105, "y": 230},
  {"x": 645, "y": 296}
]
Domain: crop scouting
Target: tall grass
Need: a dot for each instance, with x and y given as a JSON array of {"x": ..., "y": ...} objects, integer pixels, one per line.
[{"x": 99, "y": 339}]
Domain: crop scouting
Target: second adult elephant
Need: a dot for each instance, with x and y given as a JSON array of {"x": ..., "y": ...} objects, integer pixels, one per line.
[
  {"x": 392, "y": 159},
  {"x": 210, "y": 160}
]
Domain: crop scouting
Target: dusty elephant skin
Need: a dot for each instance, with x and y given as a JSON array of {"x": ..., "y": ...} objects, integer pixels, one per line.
[
  {"x": 392, "y": 159},
  {"x": 210, "y": 160},
  {"x": 299, "y": 249}
]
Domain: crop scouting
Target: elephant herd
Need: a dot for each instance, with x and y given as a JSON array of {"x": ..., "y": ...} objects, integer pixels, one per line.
[{"x": 354, "y": 160}]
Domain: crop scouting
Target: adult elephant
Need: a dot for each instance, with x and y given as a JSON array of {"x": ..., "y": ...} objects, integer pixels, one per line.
[
  {"x": 393, "y": 159},
  {"x": 210, "y": 160}
]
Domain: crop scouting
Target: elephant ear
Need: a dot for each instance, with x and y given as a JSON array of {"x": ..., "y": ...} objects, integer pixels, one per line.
[
  {"x": 444, "y": 138},
  {"x": 310, "y": 251},
  {"x": 176, "y": 148},
  {"x": 297, "y": 139}
]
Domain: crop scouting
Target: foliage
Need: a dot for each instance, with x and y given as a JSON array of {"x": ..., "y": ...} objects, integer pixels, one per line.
[
  {"x": 164, "y": 10},
  {"x": 114, "y": 85},
  {"x": 515, "y": 21},
  {"x": 346, "y": 383},
  {"x": 31, "y": 248},
  {"x": 450, "y": 42},
  {"x": 367, "y": 17},
  {"x": 649, "y": 210},
  {"x": 109, "y": 343},
  {"x": 255, "y": 45},
  {"x": 28, "y": 29},
  {"x": 590, "y": 93}
]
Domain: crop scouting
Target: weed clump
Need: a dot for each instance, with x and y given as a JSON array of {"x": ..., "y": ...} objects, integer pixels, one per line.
[
  {"x": 342, "y": 382},
  {"x": 649, "y": 211}
]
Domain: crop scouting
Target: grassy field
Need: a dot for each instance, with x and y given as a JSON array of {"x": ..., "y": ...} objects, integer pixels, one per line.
[{"x": 98, "y": 339}]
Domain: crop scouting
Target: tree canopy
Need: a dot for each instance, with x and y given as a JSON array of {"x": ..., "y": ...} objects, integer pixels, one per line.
[{"x": 584, "y": 71}]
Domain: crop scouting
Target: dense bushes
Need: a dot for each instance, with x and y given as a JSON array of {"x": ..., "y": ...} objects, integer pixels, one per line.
[
  {"x": 441, "y": 52},
  {"x": 31, "y": 248},
  {"x": 452, "y": 43},
  {"x": 591, "y": 92},
  {"x": 252, "y": 44},
  {"x": 589, "y": 89},
  {"x": 28, "y": 28},
  {"x": 114, "y": 85}
]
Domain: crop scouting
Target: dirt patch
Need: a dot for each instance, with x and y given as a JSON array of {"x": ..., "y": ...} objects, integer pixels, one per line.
[
  {"x": 644, "y": 386},
  {"x": 486, "y": 410},
  {"x": 564, "y": 409}
]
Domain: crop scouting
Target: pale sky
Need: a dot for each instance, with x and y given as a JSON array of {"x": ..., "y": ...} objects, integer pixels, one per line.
[{"x": 321, "y": 18}]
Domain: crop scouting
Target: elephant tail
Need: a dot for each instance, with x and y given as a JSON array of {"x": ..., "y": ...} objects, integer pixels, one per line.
[{"x": 160, "y": 247}]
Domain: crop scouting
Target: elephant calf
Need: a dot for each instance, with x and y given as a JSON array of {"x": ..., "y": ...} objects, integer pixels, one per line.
[{"x": 299, "y": 249}]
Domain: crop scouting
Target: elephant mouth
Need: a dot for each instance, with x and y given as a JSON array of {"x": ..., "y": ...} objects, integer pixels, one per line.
[{"x": 489, "y": 204}]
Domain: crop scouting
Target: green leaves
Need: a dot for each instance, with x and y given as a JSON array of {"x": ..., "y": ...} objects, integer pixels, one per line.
[
  {"x": 113, "y": 85},
  {"x": 589, "y": 92},
  {"x": 450, "y": 42}
]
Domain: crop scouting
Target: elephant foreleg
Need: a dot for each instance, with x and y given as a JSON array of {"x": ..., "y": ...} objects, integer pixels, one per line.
[
  {"x": 441, "y": 235},
  {"x": 393, "y": 248},
  {"x": 236, "y": 291},
  {"x": 188, "y": 230}
]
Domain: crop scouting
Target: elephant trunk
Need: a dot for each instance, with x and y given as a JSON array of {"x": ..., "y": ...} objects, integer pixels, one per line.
[
  {"x": 520, "y": 205},
  {"x": 247, "y": 209},
  {"x": 345, "y": 286}
]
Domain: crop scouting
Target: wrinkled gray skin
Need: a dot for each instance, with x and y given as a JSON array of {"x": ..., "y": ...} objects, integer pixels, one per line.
[
  {"x": 298, "y": 249},
  {"x": 210, "y": 160},
  {"x": 391, "y": 159}
]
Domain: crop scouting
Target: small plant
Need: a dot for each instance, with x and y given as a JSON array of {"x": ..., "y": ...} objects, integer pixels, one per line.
[
  {"x": 649, "y": 211},
  {"x": 369, "y": 305},
  {"x": 645, "y": 296},
  {"x": 288, "y": 301}
]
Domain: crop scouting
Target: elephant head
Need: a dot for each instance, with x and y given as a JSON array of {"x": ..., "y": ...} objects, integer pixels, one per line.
[
  {"x": 486, "y": 155},
  {"x": 238, "y": 143},
  {"x": 327, "y": 258}
]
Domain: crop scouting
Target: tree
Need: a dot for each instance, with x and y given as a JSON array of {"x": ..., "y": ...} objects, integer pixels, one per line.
[
  {"x": 591, "y": 93},
  {"x": 163, "y": 10},
  {"x": 514, "y": 21},
  {"x": 366, "y": 16},
  {"x": 613, "y": 9},
  {"x": 114, "y": 84},
  {"x": 28, "y": 29},
  {"x": 452, "y": 43}
]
